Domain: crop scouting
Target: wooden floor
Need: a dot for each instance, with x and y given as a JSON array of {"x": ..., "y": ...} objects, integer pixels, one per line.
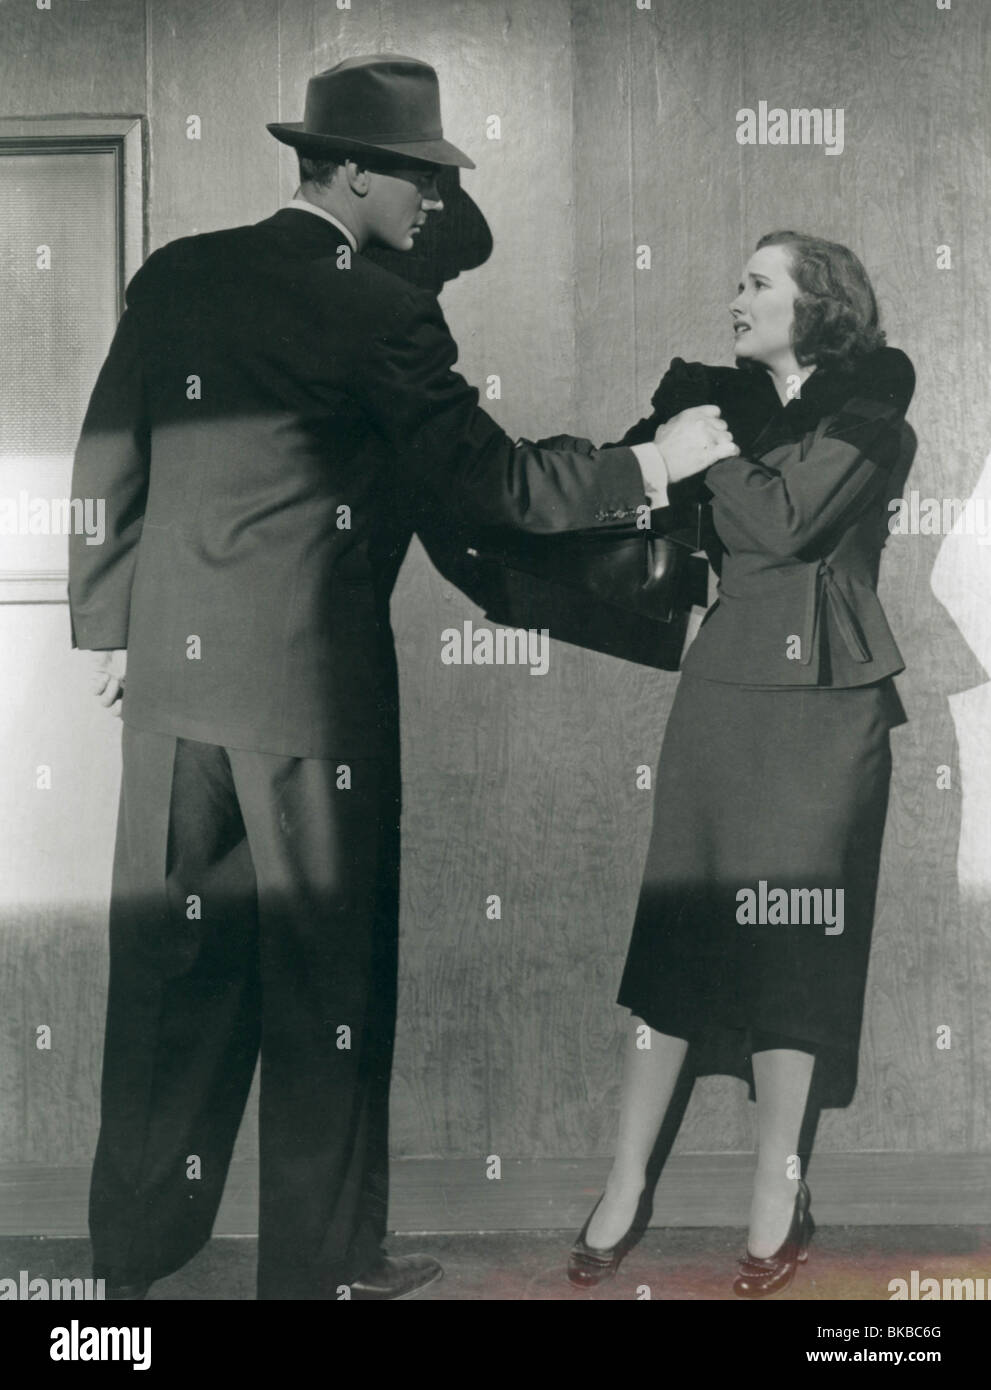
[
  {"x": 454, "y": 1195},
  {"x": 845, "y": 1263}
]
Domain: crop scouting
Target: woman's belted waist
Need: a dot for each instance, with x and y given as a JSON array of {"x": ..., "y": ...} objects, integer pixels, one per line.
[
  {"x": 769, "y": 627},
  {"x": 823, "y": 589}
]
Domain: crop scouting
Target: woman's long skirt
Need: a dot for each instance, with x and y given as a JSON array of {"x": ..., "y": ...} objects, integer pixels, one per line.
[{"x": 757, "y": 904}]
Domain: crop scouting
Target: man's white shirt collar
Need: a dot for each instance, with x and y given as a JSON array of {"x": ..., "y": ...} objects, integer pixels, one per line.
[{"x": 304, "y": 206}]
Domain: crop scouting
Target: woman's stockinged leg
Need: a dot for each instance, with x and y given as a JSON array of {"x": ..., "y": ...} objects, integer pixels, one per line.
[
  {"x": 650, "y": 1075},
  {"x": 782, "y": 1077}
]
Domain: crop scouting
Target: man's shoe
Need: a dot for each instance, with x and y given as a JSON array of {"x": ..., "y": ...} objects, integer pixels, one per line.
[
  {"x": 118, "y": 1285},
  {"x": 397, "y": 1276}
]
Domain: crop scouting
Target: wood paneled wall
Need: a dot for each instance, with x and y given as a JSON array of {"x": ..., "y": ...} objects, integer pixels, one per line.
[{"x": 618, "y": 130}]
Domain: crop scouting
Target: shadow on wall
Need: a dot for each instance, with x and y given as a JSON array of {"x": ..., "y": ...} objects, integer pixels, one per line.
[
  {"x": 961, "y": 580},
  {"x": 456, "y": 240}
]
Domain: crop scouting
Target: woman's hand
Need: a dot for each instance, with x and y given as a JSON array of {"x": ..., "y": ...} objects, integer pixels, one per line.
[{"x": 693, "y": 441}]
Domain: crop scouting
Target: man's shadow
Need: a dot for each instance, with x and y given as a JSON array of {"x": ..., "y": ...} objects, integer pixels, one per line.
[{"x": 452, "y": 241}]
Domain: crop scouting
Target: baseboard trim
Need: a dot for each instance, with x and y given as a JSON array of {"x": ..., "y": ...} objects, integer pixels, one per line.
[{"x": 455, "y": 1195}]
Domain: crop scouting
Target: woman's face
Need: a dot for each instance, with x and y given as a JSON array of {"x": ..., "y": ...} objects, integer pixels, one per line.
[{"x": 764, "y": 310}]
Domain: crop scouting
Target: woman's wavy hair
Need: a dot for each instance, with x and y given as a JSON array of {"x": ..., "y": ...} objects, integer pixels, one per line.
[{"x": 836, "y": 314}]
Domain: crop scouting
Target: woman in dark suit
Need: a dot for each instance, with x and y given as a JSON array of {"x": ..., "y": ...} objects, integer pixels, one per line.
[{"x": 754, "y": 921}]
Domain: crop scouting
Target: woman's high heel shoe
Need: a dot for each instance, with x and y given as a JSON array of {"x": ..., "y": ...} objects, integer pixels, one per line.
[
  {"x": 759, "y": 1277},
  {"x": 588, "y": 1266}
]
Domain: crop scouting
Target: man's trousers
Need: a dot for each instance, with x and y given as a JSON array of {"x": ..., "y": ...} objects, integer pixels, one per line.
[{"x": 254, "y": 906}]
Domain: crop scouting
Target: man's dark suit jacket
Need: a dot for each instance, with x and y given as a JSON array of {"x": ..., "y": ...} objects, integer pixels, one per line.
[{"x": 264, "y": 412}]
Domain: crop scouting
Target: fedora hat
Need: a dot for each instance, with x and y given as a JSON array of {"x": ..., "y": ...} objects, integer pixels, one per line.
[{"x": 382, "y": 104}]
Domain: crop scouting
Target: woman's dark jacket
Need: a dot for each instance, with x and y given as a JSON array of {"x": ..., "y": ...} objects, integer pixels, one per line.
[{"x": 799, "y": 520}]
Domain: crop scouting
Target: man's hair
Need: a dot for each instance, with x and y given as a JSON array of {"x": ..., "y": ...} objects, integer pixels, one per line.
[
  {"x": 836, "y": 314},
  {"x": 318, "y": 171}
]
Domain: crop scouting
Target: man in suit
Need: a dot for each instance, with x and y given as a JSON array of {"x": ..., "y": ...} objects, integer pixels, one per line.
[{"x": 267, "y": 397}]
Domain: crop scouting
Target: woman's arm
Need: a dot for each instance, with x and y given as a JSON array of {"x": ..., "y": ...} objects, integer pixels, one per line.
[{"x": 820, "y": 494}]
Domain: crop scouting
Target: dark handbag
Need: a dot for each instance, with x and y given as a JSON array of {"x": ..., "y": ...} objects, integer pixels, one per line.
[{"x": 626, "y": 593}]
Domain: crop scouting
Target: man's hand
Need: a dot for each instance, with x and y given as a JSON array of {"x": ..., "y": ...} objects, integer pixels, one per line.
[
  {"x": 693, "y": 440},
  {"x": 108, "y": 678}
]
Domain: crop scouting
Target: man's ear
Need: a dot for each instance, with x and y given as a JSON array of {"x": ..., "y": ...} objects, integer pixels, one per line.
[{"x": 359, "y": 179}]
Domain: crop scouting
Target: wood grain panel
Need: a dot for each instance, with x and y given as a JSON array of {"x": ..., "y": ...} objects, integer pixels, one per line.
[
  {"x": 300, "y": 57},
  {"x": 514, "y": 316},
  {"x": 687, "y": 198},
  {"x": 608, "y": 400},
  {"x": 13, "y": 1045},
  {"x": 218, "y": 62},
  {"x": 54, "y": 882},
  {"x": 64, "y": 950},
  {"x": 73, "y": 59}
]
